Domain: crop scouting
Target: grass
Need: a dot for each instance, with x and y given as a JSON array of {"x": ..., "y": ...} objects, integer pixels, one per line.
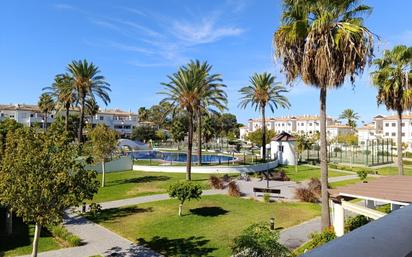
[
  {"x": 21, "y": 242},
  {"x": 207, "y": 227},
  {"x": 386, "y": 171},
  {"x": 128, "y": 184},
  {"x": 347, "y": 182},
  {"x": 306, "y": 172}
]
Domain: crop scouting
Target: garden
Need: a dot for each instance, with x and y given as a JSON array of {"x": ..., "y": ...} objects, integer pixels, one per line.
[{"x": 207, "y": 227}]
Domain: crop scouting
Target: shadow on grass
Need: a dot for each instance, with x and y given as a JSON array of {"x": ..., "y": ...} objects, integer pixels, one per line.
[
  {"x": 209, "y": 211},
  {"x": 191, "y": 246},
  {"x": 21, "y": 237},
  {"x": 114, "y": 213},
  {"x": 145, "y": 179}
]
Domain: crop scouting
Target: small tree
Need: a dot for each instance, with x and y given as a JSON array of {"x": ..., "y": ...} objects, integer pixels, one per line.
[
  {"x": 41, "y": 177},
  {"x": 183, "y": 191},
  {"x": 144, "y": 133},
  {"x": 255, "y": 137},
  {"x": 258, "y": 240},
  {"x": 103, "y": 142}
]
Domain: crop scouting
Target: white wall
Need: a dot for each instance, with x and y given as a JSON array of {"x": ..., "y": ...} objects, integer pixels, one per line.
[
  {"x": 287, "y": 157},
  {"x": 209, "y": 169}
]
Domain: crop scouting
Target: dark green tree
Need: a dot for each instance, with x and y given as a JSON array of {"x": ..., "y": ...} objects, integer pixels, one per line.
[
  {"x": 144, "y": 133},
  {"x": 41, "y": 177}
]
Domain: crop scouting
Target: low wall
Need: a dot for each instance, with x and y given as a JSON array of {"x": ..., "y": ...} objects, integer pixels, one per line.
[
  {"x": 123, "y": 163},
  {"x": 209, "y": 169}
]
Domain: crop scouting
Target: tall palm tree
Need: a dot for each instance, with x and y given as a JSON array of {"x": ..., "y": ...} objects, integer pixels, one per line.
[
  {"x": 262, "y": 92},
  {"x": 212, "y": 95},
  {"x": 393, "y": 78},
  {"x": 351, "y": 116},
  {"x": 64, "y": 93},
  {"x": 46, "y": 105},
  {"x": 186, "y": 90},
  {"x": 88, "y": 84},
  {"x": 323, "y": 42}
]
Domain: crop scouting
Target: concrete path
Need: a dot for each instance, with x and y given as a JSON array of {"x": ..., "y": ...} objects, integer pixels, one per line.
[{"x": 294, "y": 237}]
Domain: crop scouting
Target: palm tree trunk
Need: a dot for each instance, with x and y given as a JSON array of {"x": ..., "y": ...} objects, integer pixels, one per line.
[
  {"x": 325, "y": 219},
  {"x": 399, "y": 143},
  {"x": 199, "y": 134},
  {"x": 36, "y": 240},
  {"x": 66, "y": 121},
  {"x": 189, "y": 148},
  {"x": 263, "y": 134},
  {"x": 80, "y": 132}
]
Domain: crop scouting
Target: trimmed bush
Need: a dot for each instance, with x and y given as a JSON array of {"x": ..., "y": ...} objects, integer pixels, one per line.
[
  {"x": 315, "y": 186},
  {"x": 233, "y": 189},
  {"x": 306, "y": 195},
  {"x": 355, "y": 222},
  {"x": 95, "y": 209},
  {"x": 281, "y": 176},
  {"x": 319, "y": 239},
  {"x": 362, "y": 174},
  {"x": 226, "y": 178},
  {"x": 266, "y": 198},
  {"x": 215, "y": 182},
  {"x": 64, "y": 235}
]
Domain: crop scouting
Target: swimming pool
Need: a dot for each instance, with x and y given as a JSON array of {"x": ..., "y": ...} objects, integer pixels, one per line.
[{"x": 178, "y": 157}]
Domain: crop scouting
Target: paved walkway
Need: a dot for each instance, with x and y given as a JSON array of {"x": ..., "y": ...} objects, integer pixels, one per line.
[{"x": 294, "y": 237}]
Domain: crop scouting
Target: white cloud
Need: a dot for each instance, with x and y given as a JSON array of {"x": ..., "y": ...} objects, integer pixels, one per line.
[
  {"x": 64, "y": 7},
  {"x": 205, "y": 32}
]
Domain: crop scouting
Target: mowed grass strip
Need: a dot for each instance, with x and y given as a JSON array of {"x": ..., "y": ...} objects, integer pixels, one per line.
[
  {"x": 207, "y": 227},
  {"x": 306, "y": 172},
  {"x": 128, "y": 184}
]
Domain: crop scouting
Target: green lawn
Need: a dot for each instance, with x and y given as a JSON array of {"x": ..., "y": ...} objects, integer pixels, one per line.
[
  {"x": 21, "y": 243},
  {"x": 128, "y": 184},
  {"x": 347, "y": 182},
  {"x": 306, "y": 172},
  {"x": 207, "y": 227}
]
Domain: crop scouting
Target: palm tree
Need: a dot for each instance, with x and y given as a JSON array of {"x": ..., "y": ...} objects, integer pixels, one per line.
[
  {"x": 302, "y": 143},
  {"x": 46, "y": 105},
  {"x": 64, "y": 93},
  {"x": 351, "y": 116},
  {"x": 262, "y": 92},
  {"x": 323, "y": 42},
  {"x": 143, "y": 114},
  {"x": 393, "y": 80},
  {"x": 187, "y": 90},
  {"x": 88, "y": 84},
  {"x": 212, "y": 95},
  {"x": 92, "y": 108}
]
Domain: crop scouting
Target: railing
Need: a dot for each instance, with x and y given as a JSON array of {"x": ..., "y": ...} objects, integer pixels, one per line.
[{"x": 388, "y": 236}]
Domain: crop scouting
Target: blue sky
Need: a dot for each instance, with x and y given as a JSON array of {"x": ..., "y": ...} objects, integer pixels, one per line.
[{"x": 137, "y": 43}]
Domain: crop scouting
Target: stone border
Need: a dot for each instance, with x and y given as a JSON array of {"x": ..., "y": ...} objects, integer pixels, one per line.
[{"x": 209, "y": 169}]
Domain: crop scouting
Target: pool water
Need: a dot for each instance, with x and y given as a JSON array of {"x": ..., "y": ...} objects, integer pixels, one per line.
[{"x": 178, "y": 157}]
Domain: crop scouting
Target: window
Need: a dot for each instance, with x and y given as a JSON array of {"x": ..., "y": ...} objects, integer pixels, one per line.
[
  {"x": 387, "y": 134},
  {"x": 302, "y": 124},
  {"x": 101, "y": 117},
  {"x": 31, "y": 115},
  {"x": 386, "y": 124},
  {"x": 283, "y": 124},
  {"x": 393, "y": 124},
  {"x": 403, "y": 124},
  {"x": 281, "y": 148},
  {"x": 310, "y": 124},
  {"x": 403, "y": 134},
  {"x": 393, "y": 134}
]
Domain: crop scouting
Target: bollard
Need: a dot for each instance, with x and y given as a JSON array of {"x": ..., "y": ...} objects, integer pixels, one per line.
[{"x": 272, "y": 223}]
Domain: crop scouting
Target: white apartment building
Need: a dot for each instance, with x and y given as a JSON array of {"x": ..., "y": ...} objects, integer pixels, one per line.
[
  {"x": 29, "y": 115},
  {"x": 303, "y": 124},
  {"x": 333, "y": 131}
]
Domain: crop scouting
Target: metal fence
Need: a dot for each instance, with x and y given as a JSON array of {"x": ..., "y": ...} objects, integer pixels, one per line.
[{"x": 371, "y": 153}]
